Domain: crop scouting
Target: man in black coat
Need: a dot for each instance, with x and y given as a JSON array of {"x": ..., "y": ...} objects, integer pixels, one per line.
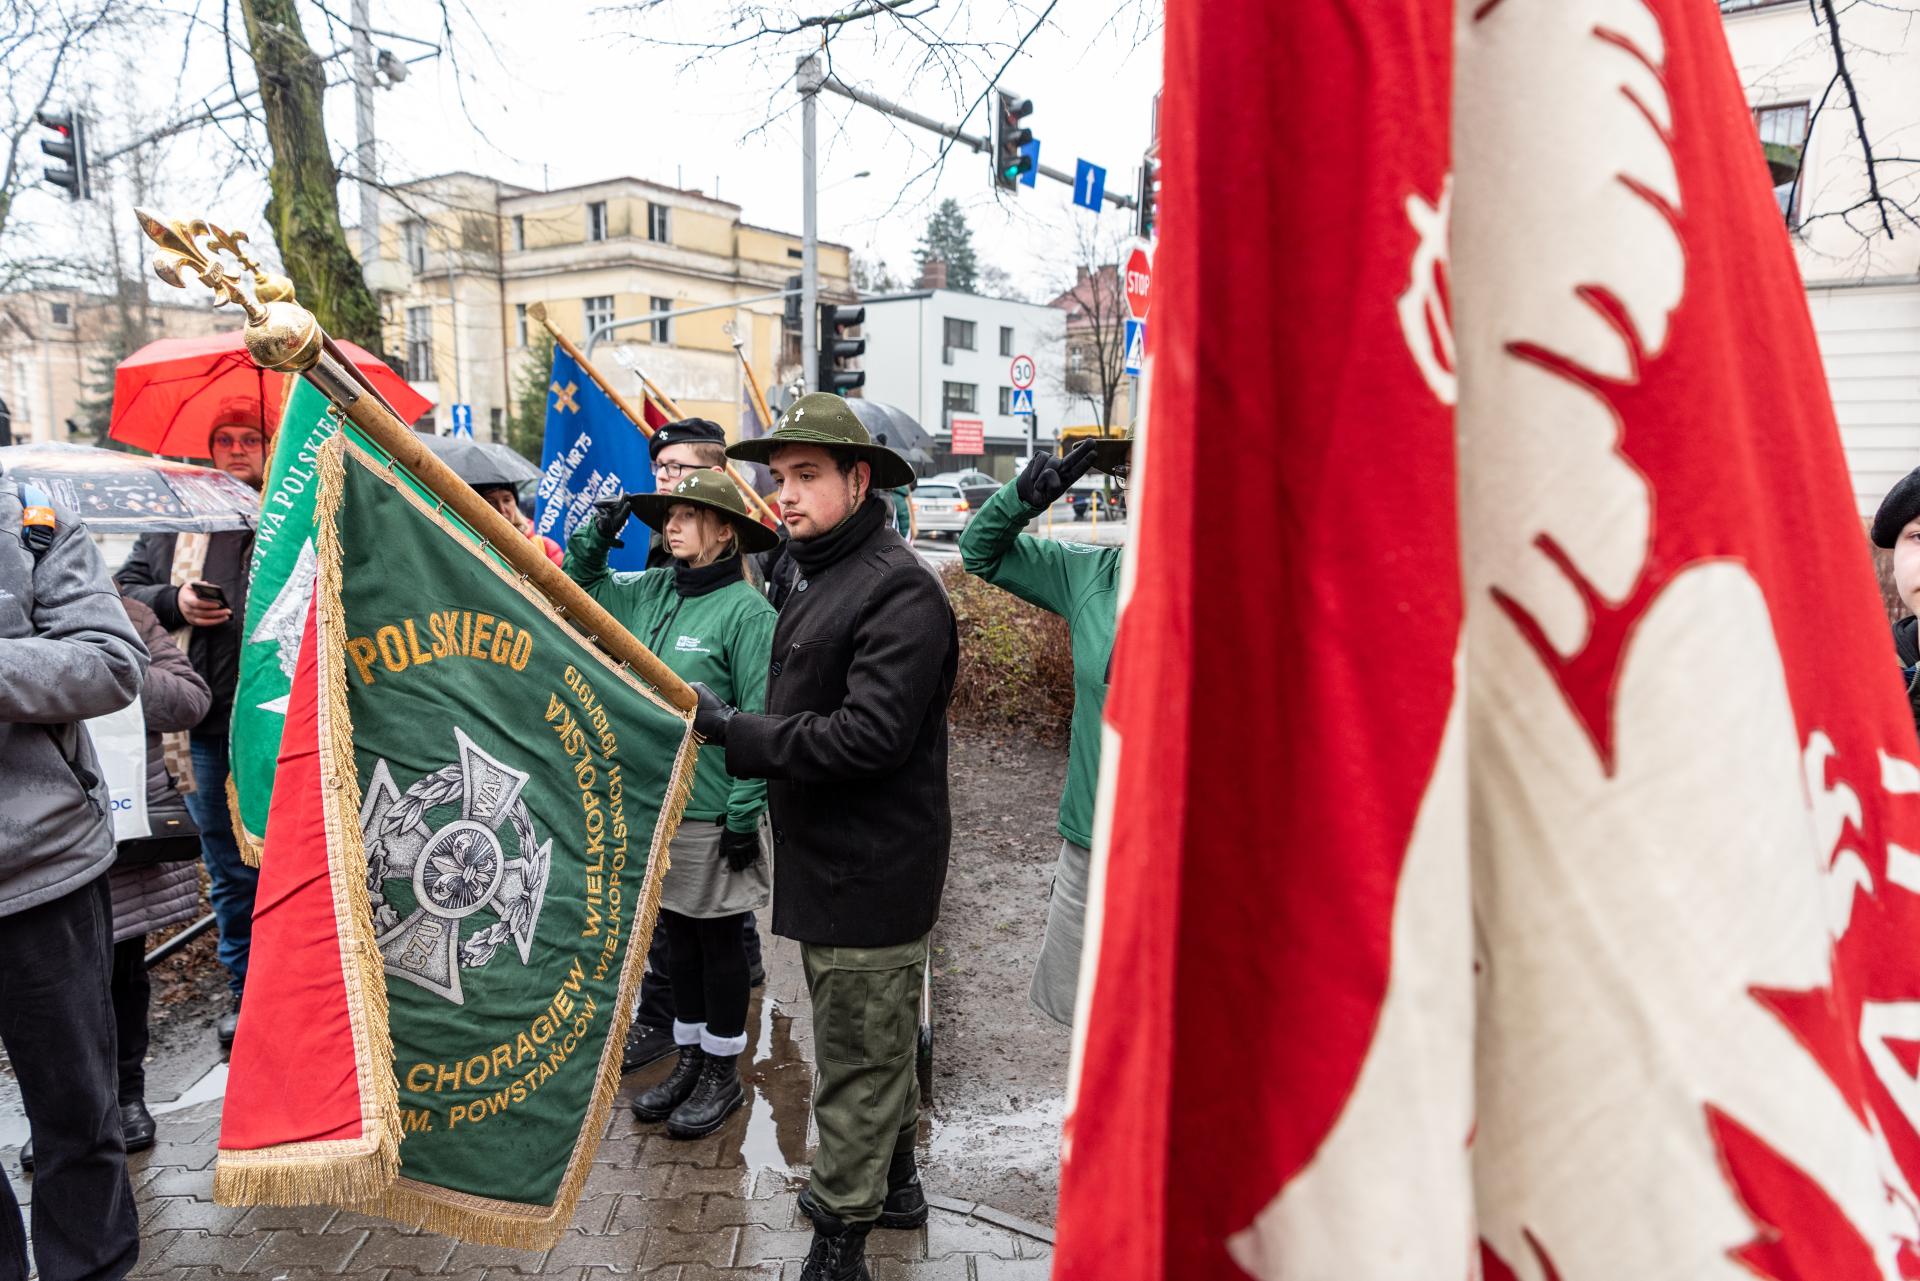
[
  {"x": 854, "y": 747},
  {"x": 212, "y": 602}
]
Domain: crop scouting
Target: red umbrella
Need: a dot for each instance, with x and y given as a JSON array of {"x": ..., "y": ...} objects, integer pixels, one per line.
[{"x": 170, "y": 395}]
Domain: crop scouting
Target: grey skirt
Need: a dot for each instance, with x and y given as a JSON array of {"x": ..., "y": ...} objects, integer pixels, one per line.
[
  {"x": 699, "y": 882},
  {"x": 1056, "y": 979}
]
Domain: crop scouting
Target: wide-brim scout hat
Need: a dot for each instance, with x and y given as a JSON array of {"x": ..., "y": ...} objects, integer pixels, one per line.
[
  {"x": 822, "y": 418},
  {"x": 707, "y": 487},
  {"x": 1113, "y": 455},
  {"x": 1900, "y": 506}
]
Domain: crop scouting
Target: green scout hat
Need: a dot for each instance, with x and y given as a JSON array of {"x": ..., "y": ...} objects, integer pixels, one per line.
[
  {"x": 822, "y": 418},
  {"x": 707, "y": 487},
  {"x": 1113, "y": 455}
]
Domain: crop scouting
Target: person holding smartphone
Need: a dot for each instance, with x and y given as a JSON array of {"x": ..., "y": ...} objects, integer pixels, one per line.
[{"x": 199, "y": 582}]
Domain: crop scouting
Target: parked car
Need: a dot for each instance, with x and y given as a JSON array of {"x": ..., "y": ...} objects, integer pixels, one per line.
[
  {"x": 1091, "y": 493},
  {"x": 976, "y": 485},
  {"x": 940, "y": 507}
]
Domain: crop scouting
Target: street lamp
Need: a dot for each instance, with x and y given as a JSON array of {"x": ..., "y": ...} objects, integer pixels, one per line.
[{"x": 864, "y": 173}]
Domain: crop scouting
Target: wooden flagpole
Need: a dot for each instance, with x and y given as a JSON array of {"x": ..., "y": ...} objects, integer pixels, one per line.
[
  {"x": 753, "y": 383},
  {"x": 284, "y": 336},
  {"x": 755, "y": 503}
]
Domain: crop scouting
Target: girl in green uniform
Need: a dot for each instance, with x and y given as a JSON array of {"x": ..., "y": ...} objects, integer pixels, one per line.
[{"x": 707, "y": 623}]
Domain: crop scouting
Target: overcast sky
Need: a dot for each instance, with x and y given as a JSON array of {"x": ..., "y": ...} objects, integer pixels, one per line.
[{"x": 562, "y": 92}]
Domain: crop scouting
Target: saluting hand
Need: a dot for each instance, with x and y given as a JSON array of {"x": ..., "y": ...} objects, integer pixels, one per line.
[
  {"x": 1048, "y": 476},
  {"x": 610, "y": 515}
]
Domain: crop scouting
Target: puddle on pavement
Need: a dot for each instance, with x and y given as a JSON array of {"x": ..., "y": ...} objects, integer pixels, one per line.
[
  {"x": 13, "y": 1115},
  {"x": 1026, "y": 1139},
  {"x": 782, "y": 1081}
]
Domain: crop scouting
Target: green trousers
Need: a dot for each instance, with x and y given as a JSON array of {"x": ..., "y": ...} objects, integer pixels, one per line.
[{"x": 866, "y": 1097}]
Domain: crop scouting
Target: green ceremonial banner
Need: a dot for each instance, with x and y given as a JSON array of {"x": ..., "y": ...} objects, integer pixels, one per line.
[
  {"x": 280, "y": 583},
  {"x": 496, "y": 850}
]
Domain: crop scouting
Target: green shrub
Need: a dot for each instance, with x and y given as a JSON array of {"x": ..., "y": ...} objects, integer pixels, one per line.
[{"x": 1016, "y": 662}]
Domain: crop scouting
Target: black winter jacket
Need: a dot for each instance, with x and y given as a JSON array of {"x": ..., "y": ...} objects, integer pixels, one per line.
[
  {"x": 854, "y": 740},
  {"x": 214, "y": 651}
]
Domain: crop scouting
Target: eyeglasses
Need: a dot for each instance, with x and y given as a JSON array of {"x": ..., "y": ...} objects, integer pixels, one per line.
[
  {"x": 251, "y": 442},
  {"x": 674, "y": 471}
]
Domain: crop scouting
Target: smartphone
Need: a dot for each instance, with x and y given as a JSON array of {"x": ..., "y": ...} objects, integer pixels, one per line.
[{"x": 210, "y": 591}]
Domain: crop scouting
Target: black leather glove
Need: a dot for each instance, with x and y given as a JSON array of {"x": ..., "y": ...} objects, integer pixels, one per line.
[
  {"x": 741, "y": 849},
  {"x": 610, "y": 515},
  {"x": 710, "y": 717},
  {"x": 1048, "y": 476}
]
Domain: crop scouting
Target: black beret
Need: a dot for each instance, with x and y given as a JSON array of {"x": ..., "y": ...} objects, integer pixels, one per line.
[
  {"x": 1901, "y": 505},
  {"x": 685, "y": 432}
]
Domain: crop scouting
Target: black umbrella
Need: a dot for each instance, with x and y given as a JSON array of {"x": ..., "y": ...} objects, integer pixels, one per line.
[
  {"x": 896, "y": 427},
  {"x": 480, "y": 463}
]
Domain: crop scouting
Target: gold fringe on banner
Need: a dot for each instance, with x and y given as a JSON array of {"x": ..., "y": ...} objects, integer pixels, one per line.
[
  {"x": 249, "y": 844},
  {"x": 342, "y": 1169},
  {"x": 488, "y": 1220}
]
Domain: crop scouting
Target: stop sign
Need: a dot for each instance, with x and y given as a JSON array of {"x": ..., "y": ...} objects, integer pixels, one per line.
[{"x": 1139, "y": 273}]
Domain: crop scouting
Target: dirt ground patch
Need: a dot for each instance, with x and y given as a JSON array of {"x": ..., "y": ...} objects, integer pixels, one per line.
[{"x": 1000, "y": 1066}]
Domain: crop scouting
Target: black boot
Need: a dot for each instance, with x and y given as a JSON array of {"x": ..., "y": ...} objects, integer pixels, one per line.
[
  {"x": 646, "y": 1045},
  {"x": 717, "y": 1093},
  {"x": 136, "y": 1125},
  {"x": 657, "y": 1103},
  {"x": 839, "y": 1251},
  {"x": 905, "y": 1207},
  {"x": 227, "y": 1024}
]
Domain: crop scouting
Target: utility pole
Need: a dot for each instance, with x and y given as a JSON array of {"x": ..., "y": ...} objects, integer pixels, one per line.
[
  {"x": 810, "y": 80},
  {"x": 362, "y": 23}
]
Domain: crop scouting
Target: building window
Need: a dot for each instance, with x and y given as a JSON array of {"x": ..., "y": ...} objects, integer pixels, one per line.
[
  {"x": 1785, "y": 124},
  {"x": 496, "y": 421},
  {"x": 1006, "y": 340},
  {"x": 797, "y": 255},
  {"x": 662, "y": 330},
  {"x": 62, "y": 314},
  {"x": 597, "y": 220},
  {"x": 1006, "y": 402},
  {"x": 520, "y": 322},
  {"x": 959, "y": 398},
  {"x": 657, "y": 223},
  {"x": 959, "y": 334},
  {"x": 413, "y": 239},
  {"x": 519, "y": 231},
  {"x": 420, "y": 344},
  {"x": 599, "y": 312}
]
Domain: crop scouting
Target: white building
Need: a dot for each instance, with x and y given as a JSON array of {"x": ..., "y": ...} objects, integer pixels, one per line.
[
  {"x": 1863, "y": 288},
  {"x": 940, "y": 354}
]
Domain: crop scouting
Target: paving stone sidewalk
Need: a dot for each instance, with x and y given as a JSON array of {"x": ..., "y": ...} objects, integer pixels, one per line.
[{"x": 718, "y": 1207}]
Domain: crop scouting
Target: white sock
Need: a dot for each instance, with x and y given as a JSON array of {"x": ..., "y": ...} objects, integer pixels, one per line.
[
  {"x": 688, "y": 1033},
  {"x": 725, "y": 1046}
]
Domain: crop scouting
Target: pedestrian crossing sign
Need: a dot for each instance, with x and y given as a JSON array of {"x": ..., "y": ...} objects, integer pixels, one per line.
[
  {"x": 1023, "y": 402},
  {"x": 1136, "y": 346}
]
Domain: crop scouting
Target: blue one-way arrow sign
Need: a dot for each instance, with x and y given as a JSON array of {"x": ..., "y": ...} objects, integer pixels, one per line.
[{"x": 1089, "y": 184}]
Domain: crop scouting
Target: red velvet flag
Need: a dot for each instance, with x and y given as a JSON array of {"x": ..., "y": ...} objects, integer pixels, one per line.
[
  {"x": 1280, "y": 771},
  {"x": 1524, "y": 888}
]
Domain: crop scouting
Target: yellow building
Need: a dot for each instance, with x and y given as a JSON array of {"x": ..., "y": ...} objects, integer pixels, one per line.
[{"x": 464, "y": 255}]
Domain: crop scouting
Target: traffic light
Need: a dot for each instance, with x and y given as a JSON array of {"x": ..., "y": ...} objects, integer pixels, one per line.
[
  {"x": 69, "y": 146},
  {"x": 836, "y": 346},
  {"x": 1009, "y": 136},
  {"x": 1148, "y": 196}
]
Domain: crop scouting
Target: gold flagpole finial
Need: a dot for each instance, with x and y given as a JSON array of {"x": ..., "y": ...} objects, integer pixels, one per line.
[{"x": 281, "y": 334}]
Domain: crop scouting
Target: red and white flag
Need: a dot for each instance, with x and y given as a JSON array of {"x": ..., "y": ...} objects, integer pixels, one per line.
[
  {"x": 1648, "y": 1004},
  {"x": 1281, "y": 998}
]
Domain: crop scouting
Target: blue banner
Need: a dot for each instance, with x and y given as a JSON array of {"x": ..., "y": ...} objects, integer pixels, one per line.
[{"x": 592, "y": 451}]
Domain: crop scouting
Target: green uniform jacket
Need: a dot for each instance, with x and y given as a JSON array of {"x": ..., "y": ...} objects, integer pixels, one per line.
[
  {"x": 724, "y": 638},
  {"x": 1082, "y": 585}
]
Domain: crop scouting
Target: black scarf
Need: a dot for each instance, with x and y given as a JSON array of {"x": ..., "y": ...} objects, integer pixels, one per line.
[
  {"x": 815, "y": 554},
  {"x": 689, "y": 582}
]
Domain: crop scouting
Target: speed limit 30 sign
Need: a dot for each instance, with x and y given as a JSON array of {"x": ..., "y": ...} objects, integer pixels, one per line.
[{"x": 1022, "y": 372}]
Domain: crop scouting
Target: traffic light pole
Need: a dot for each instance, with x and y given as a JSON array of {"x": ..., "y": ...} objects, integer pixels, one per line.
[
  {"x": 810, "y": 85},
  {"x": 833, "y": 85}
]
